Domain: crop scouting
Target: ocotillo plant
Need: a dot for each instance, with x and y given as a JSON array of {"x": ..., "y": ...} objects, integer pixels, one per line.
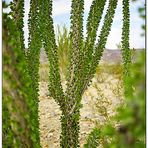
[{"x": 83, "y": 61}]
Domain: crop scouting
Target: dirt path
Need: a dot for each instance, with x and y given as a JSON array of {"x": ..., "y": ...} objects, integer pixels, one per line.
[{"x": 99, "y": 103}]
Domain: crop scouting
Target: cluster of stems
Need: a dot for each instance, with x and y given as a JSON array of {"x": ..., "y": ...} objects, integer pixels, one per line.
[{"x": 84, "y": 58}]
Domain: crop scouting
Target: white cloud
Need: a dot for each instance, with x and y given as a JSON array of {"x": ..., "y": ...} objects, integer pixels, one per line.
[
  {"x": 64, "y": 6},
  {"x": 87, "y": 4},
  {"x": 26, "y": 32},
  {"x": 6, "y": 10},
  {"x": 61, "y": 7},
  {"x": 136, "y": 41},
  {"x": 114, "y": 38}
]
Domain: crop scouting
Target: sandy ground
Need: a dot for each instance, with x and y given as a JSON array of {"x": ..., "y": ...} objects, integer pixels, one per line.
[{"x": 99, "y": 103}]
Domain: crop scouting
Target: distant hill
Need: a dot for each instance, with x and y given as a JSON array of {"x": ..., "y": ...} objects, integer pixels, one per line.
[
  {"x": 109, "y": 56},
  {"x": 115, "y": 56}
]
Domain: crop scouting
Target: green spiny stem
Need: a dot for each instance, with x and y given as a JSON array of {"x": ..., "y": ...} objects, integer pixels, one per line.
[
  {"x": 34, "y": 44},
  {"x": 76, "y": 34},
  {"x": 126, "y": 53},
  {"x": 17, "y": 8},
  {"x": 49, "y": 43},
  {"x": 70, "y": 130},
  {"x": 94, "y": 18},
  {"x": 97, "y": 54},
  {"x": 33, "y": 55}
]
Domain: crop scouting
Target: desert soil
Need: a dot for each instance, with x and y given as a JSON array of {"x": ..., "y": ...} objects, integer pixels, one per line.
[{"x": 99, "y": 103}]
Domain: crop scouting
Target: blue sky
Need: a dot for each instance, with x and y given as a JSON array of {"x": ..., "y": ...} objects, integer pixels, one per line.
[{"x": 61, "y": 16}]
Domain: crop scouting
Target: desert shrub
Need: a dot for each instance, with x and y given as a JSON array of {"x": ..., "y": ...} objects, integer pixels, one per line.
[
  {"x": 132, "y": 115},
  {"x": 127, "y": 127},
  {"x": 92, "y": 140},
  {"x": 64, "y": 48}
]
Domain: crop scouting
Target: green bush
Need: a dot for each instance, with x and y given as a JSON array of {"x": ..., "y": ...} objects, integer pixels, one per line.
[{"x": 128, "y": 127}]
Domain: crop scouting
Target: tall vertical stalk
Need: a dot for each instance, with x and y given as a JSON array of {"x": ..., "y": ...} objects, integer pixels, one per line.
[{"x": 126, "y": 52}]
